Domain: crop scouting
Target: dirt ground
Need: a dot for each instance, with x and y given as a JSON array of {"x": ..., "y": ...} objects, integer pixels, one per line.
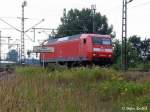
[{"x": 7, "y": 74}]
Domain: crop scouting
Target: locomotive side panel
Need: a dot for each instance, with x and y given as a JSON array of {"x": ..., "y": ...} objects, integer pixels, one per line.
[
  {"x": 64, "y": 51},
  {"x": 68, "y": 51},
  {"x": 86, "y": 47}
]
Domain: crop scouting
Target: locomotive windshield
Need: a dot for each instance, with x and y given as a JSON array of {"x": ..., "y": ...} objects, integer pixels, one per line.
[{"x": 101, "y": 41}]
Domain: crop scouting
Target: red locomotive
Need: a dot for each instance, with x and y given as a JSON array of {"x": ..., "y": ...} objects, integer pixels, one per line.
[{"x": 82, "y": 48}]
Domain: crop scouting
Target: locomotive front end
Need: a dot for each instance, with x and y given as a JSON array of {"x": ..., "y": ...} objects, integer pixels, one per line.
[{"x": 102, "y": 50}]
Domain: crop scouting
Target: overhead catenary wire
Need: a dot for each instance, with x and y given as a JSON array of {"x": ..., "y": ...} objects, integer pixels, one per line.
[
  {"x": 9, "y": 17},
  {"x": 7, "y": 28},
  {"x": 10, "y": 25},
  {"x": 110, "y": 9},
  {"x": 141, "y": 4}
]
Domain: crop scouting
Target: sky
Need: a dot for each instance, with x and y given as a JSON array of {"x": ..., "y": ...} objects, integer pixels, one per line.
[{"x": 52, "y": 10}]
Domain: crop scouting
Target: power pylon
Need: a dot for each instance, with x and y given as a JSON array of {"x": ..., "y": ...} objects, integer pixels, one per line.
[
  {"x": 124, "y": 35},
  {"x": 22, "y": 34}
]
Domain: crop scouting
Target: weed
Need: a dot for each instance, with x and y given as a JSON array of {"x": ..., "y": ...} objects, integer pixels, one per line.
[{"x": 80, "y": 89}]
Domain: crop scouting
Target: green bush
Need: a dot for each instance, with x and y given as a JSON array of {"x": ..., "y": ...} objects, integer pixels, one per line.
[
  {"x": 56, "y": 67},
  {"x": 86, "y": 74},
  {"x": 30, "y": 70},
  {"x": 122, "y": 88}
]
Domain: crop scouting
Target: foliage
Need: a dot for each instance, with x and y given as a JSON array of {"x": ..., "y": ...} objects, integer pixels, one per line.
[
  {"x": 92, "y": 89},
  {"x": 117, "y": 49},
  {"x": 135, "y": 47},
  {"x": 122, "y": 88},
  {"x": 86, "y": 74},
  {"x": 31, "y": 70},
  {"x": 135, "y": 40},
  {"x": 145, "y": 65},
  {"x": 55, "y": 66},
  {"x": 76, "y": 22},
  {"x": 145, "y": 47},
  {"x": 133, "y": 57}
]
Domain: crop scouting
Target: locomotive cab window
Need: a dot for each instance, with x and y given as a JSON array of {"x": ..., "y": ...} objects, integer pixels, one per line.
[
  {"x": 106, "y": 41},
  {"x": 101, "y": 41},
  {"x": 84, "y": 41}
]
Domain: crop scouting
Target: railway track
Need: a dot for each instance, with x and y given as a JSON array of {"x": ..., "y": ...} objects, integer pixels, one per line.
[
  {"x": 7, "y": 66},
  {"x": 6, "y": 73}
]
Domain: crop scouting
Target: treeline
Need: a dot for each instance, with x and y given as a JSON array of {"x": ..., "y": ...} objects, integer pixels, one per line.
[{"x": 138, "y": 53}]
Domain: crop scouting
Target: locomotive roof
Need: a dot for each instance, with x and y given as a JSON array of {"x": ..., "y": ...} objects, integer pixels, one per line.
[
  {"x": 64, "y": 38},
  {"x": 95, "y": 35},
  {"x": 75, "y": 37}
]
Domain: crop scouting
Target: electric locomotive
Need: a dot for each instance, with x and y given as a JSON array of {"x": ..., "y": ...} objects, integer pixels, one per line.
[{"x": 81, "y": 48}]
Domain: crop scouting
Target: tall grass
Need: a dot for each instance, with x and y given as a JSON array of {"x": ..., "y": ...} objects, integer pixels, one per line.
[{"x": 94, "y": 89}]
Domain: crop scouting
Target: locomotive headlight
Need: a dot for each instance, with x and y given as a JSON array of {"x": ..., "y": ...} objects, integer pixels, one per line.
[
  {"x": 110, "y": 56},
  {"x": 94, "y": 54}
]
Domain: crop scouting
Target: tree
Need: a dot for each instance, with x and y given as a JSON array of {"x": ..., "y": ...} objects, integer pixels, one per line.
[
  {"x": 137, "y": 50},
  {"x": 117, "y": 50},
  {"x": 76, "y": 22},
  {"x": 133, "y": 52},
  {"x": 142, "y": 47},
  {"x": 135, "y": 39},
  {"x": 136, "y": 42},
  {"x": 12, "y": 55},
  {"x": 145, "y": 48},
  {"x": 133, "y": 56}
]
